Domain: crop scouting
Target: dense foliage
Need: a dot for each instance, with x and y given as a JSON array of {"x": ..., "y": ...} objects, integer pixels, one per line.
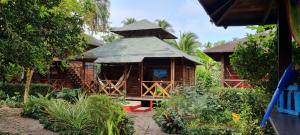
[
  {"x": 256, "y": 59},
  {"x": 34, "y": 32},
  {"x": 11, "y": 94},
  {"x": 220, "y": 111},
  {"x": 11, "y": 89},
  {"x": 188, "y": 43},
  {"x": 208, "y": 74},
  {"x": 93, "y": 114}
]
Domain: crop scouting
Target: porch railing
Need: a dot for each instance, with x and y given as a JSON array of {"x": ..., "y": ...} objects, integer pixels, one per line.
[
  {"x": 112, "y": 87},
  {"x": 235, "y": 83},
  {"x": 156, "y": 89}
]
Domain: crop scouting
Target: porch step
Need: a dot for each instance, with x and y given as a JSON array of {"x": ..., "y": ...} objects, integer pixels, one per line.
[
  {"x": 132, "y": 105},
  {"x": 136, "y": 106}
]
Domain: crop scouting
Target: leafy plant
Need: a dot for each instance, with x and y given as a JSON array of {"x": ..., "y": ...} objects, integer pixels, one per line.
[
  {"x": 93, "y": 114},
  {"x": 12, "y": 89},
  {"x": 68, "y": 94},
  {"x": 214, "y": 112},
  {"x": 260, "y": 52},
  {"x": 2, "y": 95}
]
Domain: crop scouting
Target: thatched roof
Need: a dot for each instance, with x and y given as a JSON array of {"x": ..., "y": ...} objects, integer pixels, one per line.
[
  {"x": 143, "y": 28},
  {"x": 241, "y": 12},
  {"x": 134, "y": 50},
  {"x": 223, "y": 49}
]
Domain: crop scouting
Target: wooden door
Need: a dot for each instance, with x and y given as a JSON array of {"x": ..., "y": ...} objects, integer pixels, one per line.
[{"x": 133, "y": 82}]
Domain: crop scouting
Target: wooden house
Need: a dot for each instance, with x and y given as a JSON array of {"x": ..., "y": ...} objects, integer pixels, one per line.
[
  {"x": 76, "y": 75},
  {"x": 141, "y": 65},
  {"x": 221, "y": 53},
  {"x": 261, "y": 12}
]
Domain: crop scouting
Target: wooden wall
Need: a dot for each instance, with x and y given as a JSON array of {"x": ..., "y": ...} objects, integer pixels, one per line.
[
  {"x": 60, "y": 77},
  {"x": 229, "y": 76},
  {"x": 184, "y": 72}
]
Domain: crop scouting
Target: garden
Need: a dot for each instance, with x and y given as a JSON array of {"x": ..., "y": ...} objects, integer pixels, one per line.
[
  {"x": 69, "y": 111},
  {"x": 54, "y": 30}
]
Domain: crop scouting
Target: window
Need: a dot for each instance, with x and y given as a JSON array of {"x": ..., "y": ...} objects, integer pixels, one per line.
[
  {"x": 160, "y": 74},
  {"x": 89, "y": 66}
]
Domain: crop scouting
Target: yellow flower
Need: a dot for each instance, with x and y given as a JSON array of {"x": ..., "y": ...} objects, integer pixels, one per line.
[{"x": 236, "y": 117}]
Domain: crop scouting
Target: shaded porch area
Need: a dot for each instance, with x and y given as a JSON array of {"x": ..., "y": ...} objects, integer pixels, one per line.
[{"x": 153, "y": 78}]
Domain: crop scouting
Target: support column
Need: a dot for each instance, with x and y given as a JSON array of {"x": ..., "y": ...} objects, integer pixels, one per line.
[
  {"x": 83, "y": 65},
  {"x": 284, "y": 39},
  {"x": 173, "y": 72},
  {"x": 183, "y": 71},
  {"x": 141, "y": 76},
  {"x": 223, "y": 70}
]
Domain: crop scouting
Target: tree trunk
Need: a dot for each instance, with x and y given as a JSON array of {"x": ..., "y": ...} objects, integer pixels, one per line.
[{"x": 29, "y": 73}]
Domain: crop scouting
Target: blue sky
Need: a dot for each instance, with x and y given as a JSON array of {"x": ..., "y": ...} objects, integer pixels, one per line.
[{"x": 184, "y": 15}]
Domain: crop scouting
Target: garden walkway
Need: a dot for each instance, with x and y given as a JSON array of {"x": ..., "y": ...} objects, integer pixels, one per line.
[
  {"x": 144, "y": 124},
  {"x": 12, "y": 122}
]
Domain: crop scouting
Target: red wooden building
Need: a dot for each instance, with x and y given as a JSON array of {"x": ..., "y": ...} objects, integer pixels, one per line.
[
  {"x": 77, "y": 75},
  {"x": 221, "y": 53},
  {"x": 141, "y": 65}
]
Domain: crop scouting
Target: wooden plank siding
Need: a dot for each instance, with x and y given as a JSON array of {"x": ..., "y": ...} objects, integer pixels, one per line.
[
  {"x": 140, "y": 83},
  {"x": 229, "y": 76},
  {"x": 62, "y": 77}
]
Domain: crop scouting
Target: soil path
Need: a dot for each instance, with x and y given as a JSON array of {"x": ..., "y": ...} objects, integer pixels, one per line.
[
  {"x": 12, "y": 122},
  {"x": 144, "y": 124}
]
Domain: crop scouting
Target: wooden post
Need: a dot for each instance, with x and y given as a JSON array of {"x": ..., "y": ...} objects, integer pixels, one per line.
[
  {"x": 222, "y": 70},
  {"x": 172, "y": 72},
  {"x": 83, "y": 65},
  {"x": 284, "y": 39},
  {"x": 141, "y": 76},
  {"x": 183, "y": 71}
]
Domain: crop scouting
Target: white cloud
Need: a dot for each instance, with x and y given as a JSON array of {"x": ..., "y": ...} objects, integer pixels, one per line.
[{"x": 184, "y": 15}]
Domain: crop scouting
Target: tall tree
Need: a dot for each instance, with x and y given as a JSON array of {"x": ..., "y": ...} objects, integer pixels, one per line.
[
  {"x": 128, "y": 21},
  {"x": 34, "y": 32},
  {"x": 164, "y": 24},
  {"x": 96, "y": 14},
  {"x": 188, "y": 43}
]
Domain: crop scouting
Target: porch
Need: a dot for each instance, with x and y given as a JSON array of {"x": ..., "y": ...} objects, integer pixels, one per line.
[{"x": 153, "y": 78}]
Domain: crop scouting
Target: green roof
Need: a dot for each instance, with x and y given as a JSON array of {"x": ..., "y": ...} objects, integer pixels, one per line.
[
  {"x": 131, "y": 50},
  {"x": 143, "y": 28},
  {"x": 90, "y": 40}
]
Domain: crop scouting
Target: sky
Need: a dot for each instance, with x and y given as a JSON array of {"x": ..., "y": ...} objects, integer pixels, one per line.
[{"x": 183, "y": 15}]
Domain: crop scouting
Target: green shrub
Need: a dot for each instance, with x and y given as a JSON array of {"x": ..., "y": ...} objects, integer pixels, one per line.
[
  {"x": 185, "y": 105},
  {"x": 67, "y": 94},
  {"x": 93, "y": 114},
  {"x": 11, "y": 89},
  {"x": 10, "y": 101},
  {"x": 218, "y": 111},
  {"x": 249, "y": 104},
  {"x": 2, "y": 95}
]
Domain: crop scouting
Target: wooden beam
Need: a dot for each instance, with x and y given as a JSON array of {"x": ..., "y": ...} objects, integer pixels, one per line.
[
  {"x": 220, "y": 8},
  {"x": 226, "y": 12},
  {"x": 268, "y": 11},
  {"x": 284, "y": 39}
]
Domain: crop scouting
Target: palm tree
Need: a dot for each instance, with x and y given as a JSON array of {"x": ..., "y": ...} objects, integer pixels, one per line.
[
  {"x": 164, "y": 24},
  {"x": 96, "y": 14},
  {"x": 187, "y": 43},
  {"x": 128, "y": 21}
]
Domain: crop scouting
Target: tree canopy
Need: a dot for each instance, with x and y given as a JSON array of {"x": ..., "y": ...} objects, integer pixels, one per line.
[
  {"x": 34, "y": 32},
  {"x": 188, "y": 43},
  {"x": 256, "y": 59},
  {"x": 128, "y": 20}
]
